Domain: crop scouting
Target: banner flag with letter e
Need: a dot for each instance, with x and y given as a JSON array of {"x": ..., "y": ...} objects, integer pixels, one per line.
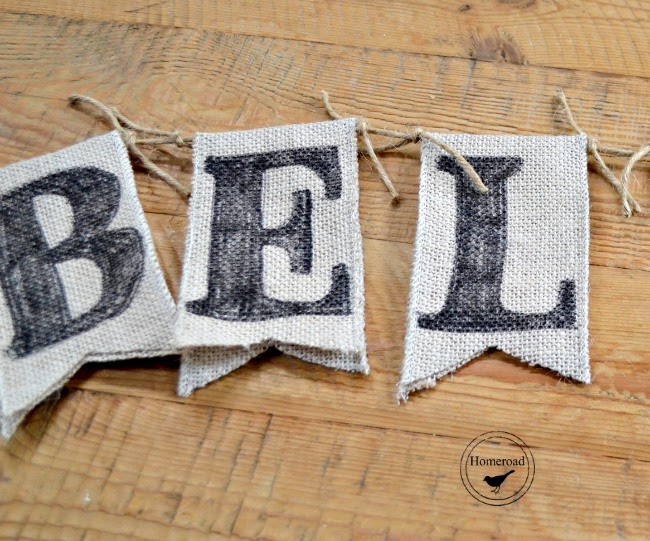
[{"x": 273, "y": 252}]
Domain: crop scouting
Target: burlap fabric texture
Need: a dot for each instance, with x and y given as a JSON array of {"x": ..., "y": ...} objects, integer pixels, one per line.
[
  {"x": 507, "y": 269},
  {"x": 78, "y": 272},
  {"x": 273, "y": 253}
]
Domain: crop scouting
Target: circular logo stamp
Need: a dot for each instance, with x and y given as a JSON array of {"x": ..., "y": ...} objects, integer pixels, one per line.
[{"x": 497, "y": 468}]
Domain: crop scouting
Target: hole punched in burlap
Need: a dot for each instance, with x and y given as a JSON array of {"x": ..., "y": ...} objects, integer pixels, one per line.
[
  {"x": 273, "y": 255},
  {"x": 79, "y": 278}
]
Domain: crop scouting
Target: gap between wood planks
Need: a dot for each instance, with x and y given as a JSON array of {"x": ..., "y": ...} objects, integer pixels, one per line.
[
  {"x": 475, "y": 41},
  {"x": 306, "y": 419},
  {"x": 371, "y": 236}
]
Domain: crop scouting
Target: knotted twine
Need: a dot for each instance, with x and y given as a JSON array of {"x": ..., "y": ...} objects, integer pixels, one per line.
[
  {"x": 131, "y": 134},
  {"x": 403, "y": 138},
  {"x": 595, "y": 150},
  {"x": 134, "y": 134}
]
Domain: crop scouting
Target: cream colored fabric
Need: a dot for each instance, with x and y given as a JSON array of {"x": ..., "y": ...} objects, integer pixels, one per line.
[
  {"x": 213, "y": 346},
  {"x": 547, "y": 243},
  {"x": 143, "y": 329}
]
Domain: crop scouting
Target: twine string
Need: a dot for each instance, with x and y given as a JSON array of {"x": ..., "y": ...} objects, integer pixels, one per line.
[
  {"x": 362, "y": 128},
  {"x": 402, "y": 138},
  {"x": 630, "y": 205},
  {"x": 130, "y": 133},
  {"x": 134, "y": 134},
  {"x": 639, "y": 155}
]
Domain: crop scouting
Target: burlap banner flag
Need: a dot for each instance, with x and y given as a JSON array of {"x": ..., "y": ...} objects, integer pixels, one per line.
[
  {"x": 78, "y": 272},
  {"x": 505, "y": 269},
  {"x": 273, "y": 252}
]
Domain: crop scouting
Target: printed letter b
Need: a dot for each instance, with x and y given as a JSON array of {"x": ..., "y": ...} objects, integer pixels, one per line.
[{"x": 28, "y": 275}]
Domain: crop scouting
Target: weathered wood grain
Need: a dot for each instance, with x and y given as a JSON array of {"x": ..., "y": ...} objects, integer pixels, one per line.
[
  {"x": 495, "y": 384},
  {"x": 123, "y": 468},
  {"x": 206, "y": 81},
  {"x": 175, "y": 471},
  {"x": 593, "y": 35},
  {"x": 282, "y": 449}
]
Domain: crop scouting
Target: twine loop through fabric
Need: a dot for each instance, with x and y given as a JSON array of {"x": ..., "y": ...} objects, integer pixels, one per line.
[
  {"x": 135, "y": 135},
  {"x": 130, "y": 133},
  {"x": 402, "y": 138}
]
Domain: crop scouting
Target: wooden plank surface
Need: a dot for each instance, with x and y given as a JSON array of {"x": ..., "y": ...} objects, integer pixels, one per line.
[
  {"x": 592, "y": 35},
  {"x": 282, "y": 449},
  {"x": 176, "y": 471}
]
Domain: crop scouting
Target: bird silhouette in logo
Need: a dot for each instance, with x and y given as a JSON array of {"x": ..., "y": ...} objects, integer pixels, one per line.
[{"x": 496, "y": 481}]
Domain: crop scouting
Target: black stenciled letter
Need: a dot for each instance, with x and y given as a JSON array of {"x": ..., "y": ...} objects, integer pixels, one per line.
[
  {"x": 473, "y": 303},
  {"x": 235, "y": 274},
  {"x": 28, "y": 275}
]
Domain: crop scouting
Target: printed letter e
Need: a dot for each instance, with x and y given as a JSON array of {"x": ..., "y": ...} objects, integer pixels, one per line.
[{"x": 235, "y": 273}]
